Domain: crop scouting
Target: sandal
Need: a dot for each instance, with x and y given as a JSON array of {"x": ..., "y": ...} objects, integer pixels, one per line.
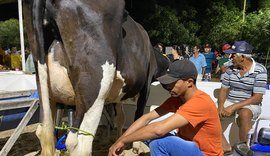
[{"x": 228, "y": 153}]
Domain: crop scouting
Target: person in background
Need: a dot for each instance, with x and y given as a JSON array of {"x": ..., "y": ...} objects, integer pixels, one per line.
[
  {"x": 160, "y": 48},
  {"x": 181, "y": 50},
  {"x": 195, "y": 117},
  {"x": 16, "y": 60},
  {"x": 209, "y": 57},
  {"x": 2, "y": 56},
  {"x": 199, "y": 61},
  {"x": 26, "y": 53},
  {"x": 178, "y": 53},
  {"x": 222, "y": 67},
  {"x": 241, "y": 91},
  {"x": 29, "y": 64},
  {"x": 7, "y": 59}
]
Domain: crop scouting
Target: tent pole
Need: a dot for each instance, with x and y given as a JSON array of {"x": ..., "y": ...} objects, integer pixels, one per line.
[{"x": 21, "y": 34}]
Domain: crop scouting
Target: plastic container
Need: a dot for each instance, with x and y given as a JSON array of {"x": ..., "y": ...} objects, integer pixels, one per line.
[{"x": 260, "y": 150}]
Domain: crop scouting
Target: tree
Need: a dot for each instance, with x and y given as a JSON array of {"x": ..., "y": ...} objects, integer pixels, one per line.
[
  {"x": 226, "y": 24},
  {"x": 9, "y": 33},
  {"x": 257, "y": 31},
  {"x": 166, "y": 26}
]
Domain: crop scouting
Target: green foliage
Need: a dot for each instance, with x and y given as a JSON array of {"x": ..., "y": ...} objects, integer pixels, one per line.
[
  {"x": 167, "y": 27},
  {"x": 226, "y": 25},
  {"x": 264, "y": 4},
  {"x": 9, "y": 33},
  {"x": 256, "y": 29}
]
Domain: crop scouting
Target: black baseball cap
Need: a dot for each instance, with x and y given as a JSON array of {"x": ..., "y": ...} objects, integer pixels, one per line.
[
  {"x": 179, "y": 70},
  {"x": 207, "y": 45}
]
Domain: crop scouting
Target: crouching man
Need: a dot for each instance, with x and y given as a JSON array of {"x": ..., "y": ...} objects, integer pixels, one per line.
[{"x": 196, "y": 119}]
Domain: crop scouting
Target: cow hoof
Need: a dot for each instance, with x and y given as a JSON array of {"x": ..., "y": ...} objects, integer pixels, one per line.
[
  {"x": 139, "y": 147},
  {"x": 136, "y": 147}
]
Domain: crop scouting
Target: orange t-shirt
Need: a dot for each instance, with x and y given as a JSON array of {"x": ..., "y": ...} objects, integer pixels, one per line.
[{"x": 204, "y": 126}]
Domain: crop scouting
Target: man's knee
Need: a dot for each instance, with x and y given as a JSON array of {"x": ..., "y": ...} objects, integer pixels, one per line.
[
  {"x": 244, "y": 116},
  {"x": 154, "y": 144}
]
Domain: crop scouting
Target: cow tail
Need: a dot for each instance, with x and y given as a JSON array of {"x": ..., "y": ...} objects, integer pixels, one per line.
[
  {"x": 38, "y": 11},
  {"x": 44, "y": 131}
]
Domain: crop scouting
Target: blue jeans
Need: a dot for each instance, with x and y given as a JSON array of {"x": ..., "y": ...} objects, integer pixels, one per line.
[{"x": 171, "y": 145}]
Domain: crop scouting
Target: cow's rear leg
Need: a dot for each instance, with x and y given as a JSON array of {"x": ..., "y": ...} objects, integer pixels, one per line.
[{"x": 45, "y": 131}]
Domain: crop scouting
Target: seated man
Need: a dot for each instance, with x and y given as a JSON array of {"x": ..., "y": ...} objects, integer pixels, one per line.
[
  {"x": 242, "y": 90},
  {"x": 195, "y": 118}
]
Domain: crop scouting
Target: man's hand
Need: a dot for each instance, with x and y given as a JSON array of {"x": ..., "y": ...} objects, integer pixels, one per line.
[
  {"x": 220, "y": 111},
  {"x": 116, "y": 149},
  {"x": 228, "y": 111}
]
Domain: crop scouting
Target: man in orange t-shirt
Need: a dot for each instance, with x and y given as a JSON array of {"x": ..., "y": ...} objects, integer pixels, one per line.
[{"x": 195, "y": 118}]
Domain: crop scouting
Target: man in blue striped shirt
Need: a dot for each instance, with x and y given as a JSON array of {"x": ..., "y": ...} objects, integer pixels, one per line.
[{"x": 242, "y": 90}]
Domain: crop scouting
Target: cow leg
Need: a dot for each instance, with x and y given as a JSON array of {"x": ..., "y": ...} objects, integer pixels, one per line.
[
  {"x": 81, "y": 144},
  {"x": 142, "y": 101},
  {"x": 45, "y": 131},
  {"x": 120, "y": 118}
]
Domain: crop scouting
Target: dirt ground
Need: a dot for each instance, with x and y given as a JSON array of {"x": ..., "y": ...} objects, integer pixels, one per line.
[{"x": 28, "y": 144}]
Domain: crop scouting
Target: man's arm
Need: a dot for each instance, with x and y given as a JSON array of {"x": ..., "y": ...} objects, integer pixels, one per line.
[
  {"x": 150, "y": 131},
  {"x": 141, "y": 122},
  {"x": 203, "y": 72},
  {"x": 156, "y": 129},
  {"x": 223, "y": 94}
]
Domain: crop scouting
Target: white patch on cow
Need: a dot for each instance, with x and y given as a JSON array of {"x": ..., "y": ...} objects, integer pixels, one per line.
[
  {"x": 116, "y": 91},
  {"x": 72, "y": 142},
  {"x": 92, "y": 116},
  {"x": 119, "y": 77}
]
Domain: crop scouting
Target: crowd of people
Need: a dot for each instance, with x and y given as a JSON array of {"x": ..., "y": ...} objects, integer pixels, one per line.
[
  {"x": 197, "y": 119},
  {"x": 11, "y": 59},
  {"x": 205, "y": 60}
]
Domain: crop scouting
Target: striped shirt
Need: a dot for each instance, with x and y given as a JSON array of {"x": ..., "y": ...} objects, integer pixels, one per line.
[{"x": 242, "y": 88}]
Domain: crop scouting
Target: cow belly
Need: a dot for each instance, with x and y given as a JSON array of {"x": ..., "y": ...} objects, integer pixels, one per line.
[{"x": 61, "y": 89}]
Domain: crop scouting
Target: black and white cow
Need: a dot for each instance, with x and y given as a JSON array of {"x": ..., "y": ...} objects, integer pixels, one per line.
[{"x": 101, "y": 55}]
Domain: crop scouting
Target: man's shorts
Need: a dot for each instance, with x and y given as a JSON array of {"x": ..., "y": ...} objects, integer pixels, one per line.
[{"x": 255, "y": 109}]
